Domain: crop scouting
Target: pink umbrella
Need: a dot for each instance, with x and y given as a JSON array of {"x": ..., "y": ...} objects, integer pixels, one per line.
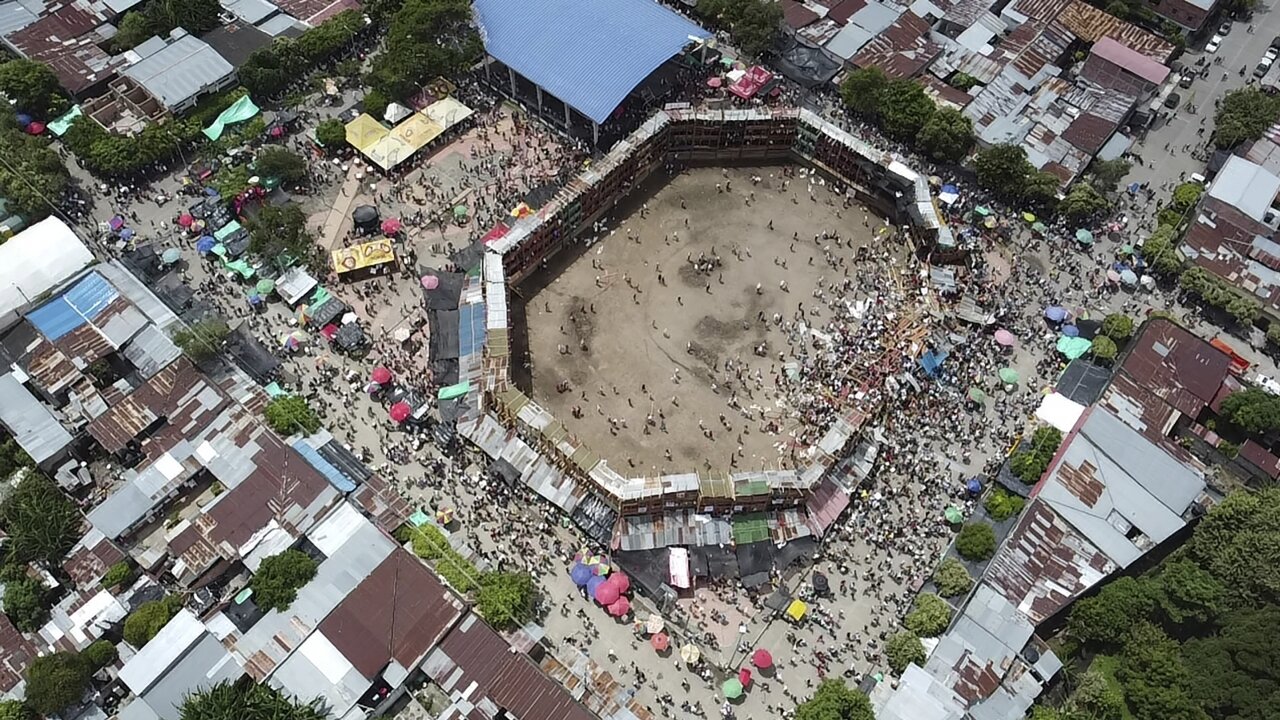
[
  {"x": 620, "y": 608},
  {"x": 185, "y": 220},
  {"x": 761, "y": 659},
  {"x": 607, "y": 594},
  {"x": 1005, "y": 338},
  {"x": 400, "y": 412},
  {"x": 381, "y": 375},
  {"x": 430, "y": 282},
  {"x": 660, "y": 642},
  {"x": 714, "y": 82},
  {"x": 391, "y": 226},
  {"x": 36, "y": 127},
  {"x": 620, "y": 581},
  {"x": 744, "y": 677}
]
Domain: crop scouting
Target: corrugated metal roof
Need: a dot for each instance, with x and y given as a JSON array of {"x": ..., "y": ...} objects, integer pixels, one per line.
[
  {"x": 64, "y": 40},
  {"x": 1135, "y": 62},
  {"x": 37, "y": 260},
  {"x": 184, "y": 68},
  {"x": 1246, "y": 186},
  {"x": 902, "y": 50},
  {"x": 589, "y": 55},
  {"x": 32, "y": 424}
]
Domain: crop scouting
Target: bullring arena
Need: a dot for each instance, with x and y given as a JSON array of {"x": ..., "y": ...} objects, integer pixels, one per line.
[{"x": 602, "y": 464}]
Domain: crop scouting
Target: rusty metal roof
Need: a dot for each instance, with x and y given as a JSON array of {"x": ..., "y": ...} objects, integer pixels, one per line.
[
  {"x": 1091, "y": 25},
  {"x": 89, "y": 560},
  {"x": 16, "y": 653},
  {"x": 902, "y": 50},
  {"x": 476, "y": 667},
  {"x": 399, "y": 612},
  {"x": 179, "y": 385},
  {"x": 1176, "y": 366},
  {"x": 796, "y": 15},
  {"x": 63, "y": 39}
]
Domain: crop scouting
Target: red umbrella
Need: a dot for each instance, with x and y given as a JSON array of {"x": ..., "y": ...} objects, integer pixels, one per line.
[
  {"x": 607, "y": 594},
  {"x": 744, "y": 677},
  {"x": 401, "y": 411},
  {"x": 36, "y": 127},
  {"x": 620, "y": 608},
  {"x": 381, "y": 375},
  {"x": 391, "y": 226},
  {"x": 185, "y": 220},
  {"x": 620, "y": 581},
  {"x": 660, "y": 642},
  {"x": 762, "y": 659}
]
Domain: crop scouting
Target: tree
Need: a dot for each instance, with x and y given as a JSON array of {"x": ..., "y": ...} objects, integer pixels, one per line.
[
  {"x": 247, "y": 701},
  {"x": 1185, "y": 593},
  {"x": 119, "y": 574},
  {"x": 56, "y": 681},
  {"x": 952, "y": 578},
  {"x": 202, "y": 340},
  {"x": 506, "y": 599},
  {"x": 1095, "y": 698},
  {"x": 1033, "y": 457},
  {"x": 1002, "y": 505},
  {"x": 24, "y": 603},
  {"x": 332, "y": 134},
  {"x": 753, "y": 24},
  {"x": 289, "y": 414},
  {"x": 930, "y": 616},
  {"x": 276, "y": 582},
  {"x": 1003, "y": 169},
  {"x": 425, "y": 38},
  {"x": 833, "y": 700},
  {"x": 1104, "y": 349},
  {"x": 41, "y": 522},
  {"x": 977, "y": 541},
  {"x": 1255, "y": 410},
  {"x": 1083, "y": 203},
  {"x": 1105, "y": 618},
  {"x": 963, "y": 82},
  {"x": 1235, "y": 672},
  {"x": 281, "y": 230},
  {"x": 1155, "y": 679},
  {"x": 376, "y": 101},
  {"x": 14, "y": 710},
  {"x": 35, "y": 178},
  {"x": 12, "y": 458},
  {"x": 33, "y": 87},
  {"x": 1186, "y": 195},
  {"x": 1244, "y": 115},
  {"x": 1160, "y": 252},
  {"x": 134, "y": 28},
  {"x": 1238, "y": 543},
  {"x": 279, "y": 162},
  {"x": 1040, "y": 191},
  {"x": 100, "y": 654},
  {"x": 1118, "y": 327},
  {"x": 1107, "y": 174},
  {"x": 947, "y": 136},
  {"x": 903, "y": 649},
  {"x": 861, "y": 90},
  {"x": 904, "y": 109},
  {"x": 149, "y": 619}
]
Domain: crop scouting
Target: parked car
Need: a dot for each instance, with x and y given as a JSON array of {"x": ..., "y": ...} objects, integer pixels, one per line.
[
  {"x": 1262, "y": 67},
  {"x": 1214, "y": 43},
  {"x": 1271, "y": 53},
  {"x": 1275, "y": 43},
  {"x": 1225, "y": 28},
  {"x": 1172, "y": 101},
  {"x": 1185, "y": 81}
]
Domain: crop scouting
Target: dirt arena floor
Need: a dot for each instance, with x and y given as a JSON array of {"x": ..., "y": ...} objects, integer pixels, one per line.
[{"x": 641, "y": 335}]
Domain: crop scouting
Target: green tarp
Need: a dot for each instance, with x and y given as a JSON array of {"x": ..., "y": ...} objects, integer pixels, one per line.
[
  {"x": 453, "y": 391},
  {"x": 418, "y": 519},
  {"x": 240, "y": 110},
  {"x": 241, "y": 267},
  {"x": 1073, "y": 347},
  {"x": 60, "y": 126},
  {"x": 274, "y": 390},
  {"x": 318, "y": 297},
  {"x": 225, "y": 231}
]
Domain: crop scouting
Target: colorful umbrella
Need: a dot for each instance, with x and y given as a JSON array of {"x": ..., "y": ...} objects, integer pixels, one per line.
[
  {"x": 606, "y": 593},
  {"x": 977, "y": 395},
  {"x": 654, "y": 624},
  {"x": 185, "y": 220},
  {"x": 1128, "y": 277},
  {"x": 400, "y": 411},
  {"x": 205, "y": 244},
  {"x": 1084, "y": 237},
  {"x": 1039, "y": 228},
  {"x": 460, "y": 211},
  {"x": 620, "y": 581},
  {"x": 980, "y": 210},
  {"x": 690, "y": 653},
  {"x": 744, "y": 677},
  {"x": 1005, "y": 338},
  {"x": 820, "y": 583},
  {"x": 619, "y": 608},
  {"x": 732, "y": 688},
  {"x": 1055, "y": 313},
  {"x": 430, "y": 282},
  {"x": 391, "y": 226},
  {"x": 171, "y": 256},
  {"x": 1008, "y": 376},
  {"x": 989, "y": 223},
  {"x": 580, "y": 574},
  {"x": 1071, "y": 331},
  {"x": 973, "y": 485},
  {"x": 714, "y": 82},
  {"x": 1029, "y": 217},
  {"x": 593, "y": 583},
  {"x": 762, "y": 659},
  {"x": 381, "y": 375},
  {"x": 953, "y": 514},
  {"x": 265, "y": 286},
  {"x": 660, "y": 642},
  {"x": 444, "y": 516},
  {"x": 401, "y": 334},
  {"x": 1073, "y": 347},
  {"x": 1126, "y": 249}
]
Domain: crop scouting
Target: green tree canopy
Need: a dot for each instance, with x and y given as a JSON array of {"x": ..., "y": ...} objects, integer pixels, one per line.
[
  {"x": 247, "y": 701},
  {"x": 425, "y": 38},
  {"x": 1105, "y": 618},
  {"x": 929, "y": 617},
  {"x": 1155, "y": 678},
  {"x": 34, "y": 179},
  {"x": 14, "y": 710},
  {"x": 1238, "y": 542},
  {"x": 1095, "y": 698},
  {"x": 1253, "y": 409},
  {"x": 1244, "y": 115},
  {"x": 41, "y": 522},
  {"x": 202, "y": 340},
  {"x": 833, "y": 700},
  {"x": 149, "y": 619},
  {"x": 1002, "y": 504},
  {"x": 1186, "y": 195},
  {"x": 1107, "y": 174},
  {"x": 1004, "y": 170},
  {"x": 56, "y": 681},
  {"x": 100, "y": 654},
  {"x": 753, "y": 24},
  {"x": 1082, "y": 204},
  {"x": 1160, "y": 252},
  {"x": 977, "y": 541},
  {"x": 903, "y": 649},
  {"x": 505, "y": 599},
  {"x": 12, "y": 458},
  {"x": 1040, "y": 191},
  {"x": 952, "y": 578},
  {"x": 24, "y": 603},
  {"x": 119, "y": 574},
  {"x": 1186, "y": 593},
  {"x": 947, "y": 135},
  {"x": 281, "y": 230},
  {"x": 33, "y": 87},
  {"x": 861, "y": 90},
  {"x": 278, "y": 578},
  {"x": 1104, "y": 348},
  {"x": 332, "y": 134},
  {"x": 280, "y": 162},
  {"x": 1034, "y": 455},
  {"x": 1118, "y": 327},
  {"x": 904, "y": 109},
  {"x": 289, "y": 414},
  {"x": 1235, "y": 673}
]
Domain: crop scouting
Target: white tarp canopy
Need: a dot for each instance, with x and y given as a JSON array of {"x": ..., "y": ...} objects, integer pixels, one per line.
[
  {"x": 37, "y": 260},
  {"x": 1059, "y": 411}
]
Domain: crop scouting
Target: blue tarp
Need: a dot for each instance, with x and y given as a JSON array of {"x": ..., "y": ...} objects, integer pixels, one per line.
[
  {"x": 324, "y": 467},
  {"x": 932, "y": 361},
  {"x": 80, "y": 304},
  {"x": 471, "y": 330},
  {"x": 590, "y": 55}
]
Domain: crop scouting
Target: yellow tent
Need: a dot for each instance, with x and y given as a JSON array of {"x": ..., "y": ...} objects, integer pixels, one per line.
[
  {"x": 447, "y": 112},
  {"x": 796, "y": 610},
  {"x": 364, "y": 132}
]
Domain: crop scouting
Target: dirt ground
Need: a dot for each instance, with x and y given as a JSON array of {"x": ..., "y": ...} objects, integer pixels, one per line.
[{"x": 641, "y": 335}]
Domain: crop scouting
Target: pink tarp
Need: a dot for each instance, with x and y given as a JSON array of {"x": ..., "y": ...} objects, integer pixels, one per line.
[
  {"x": 498, "y": 231},
  {"x": 678, "y": 567},
  {"x": 748, "y": 85}
]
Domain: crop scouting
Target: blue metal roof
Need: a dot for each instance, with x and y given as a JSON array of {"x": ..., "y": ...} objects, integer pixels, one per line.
[
  {"x": 588, "y": 53},
  {"x": 81, "y": 303},
  {"x": 471, "y": 329},
  {"x": 323, "y": 466}
]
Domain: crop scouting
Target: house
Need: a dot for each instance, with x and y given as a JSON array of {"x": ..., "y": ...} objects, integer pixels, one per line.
[
  {"x": 183, "y": 658},
  {"x": 1116, "y": 67},
  {"x": 179, "y": 70}
]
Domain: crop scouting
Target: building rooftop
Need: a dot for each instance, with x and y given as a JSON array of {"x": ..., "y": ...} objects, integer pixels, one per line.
[
  {"x": 35, "y": 261},
  {"x": 1246, "y": 186},
  {"x": 182, "y": 658},
  {"x": 1135, "y": 62},
  {"x": 180, "y": 70},
  {"x": 63, "y": 38},
  {"x": 31, "y": 424}
]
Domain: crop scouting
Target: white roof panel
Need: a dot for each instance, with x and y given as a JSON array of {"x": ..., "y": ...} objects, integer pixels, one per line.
[{"x": 37, "y": 260}]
